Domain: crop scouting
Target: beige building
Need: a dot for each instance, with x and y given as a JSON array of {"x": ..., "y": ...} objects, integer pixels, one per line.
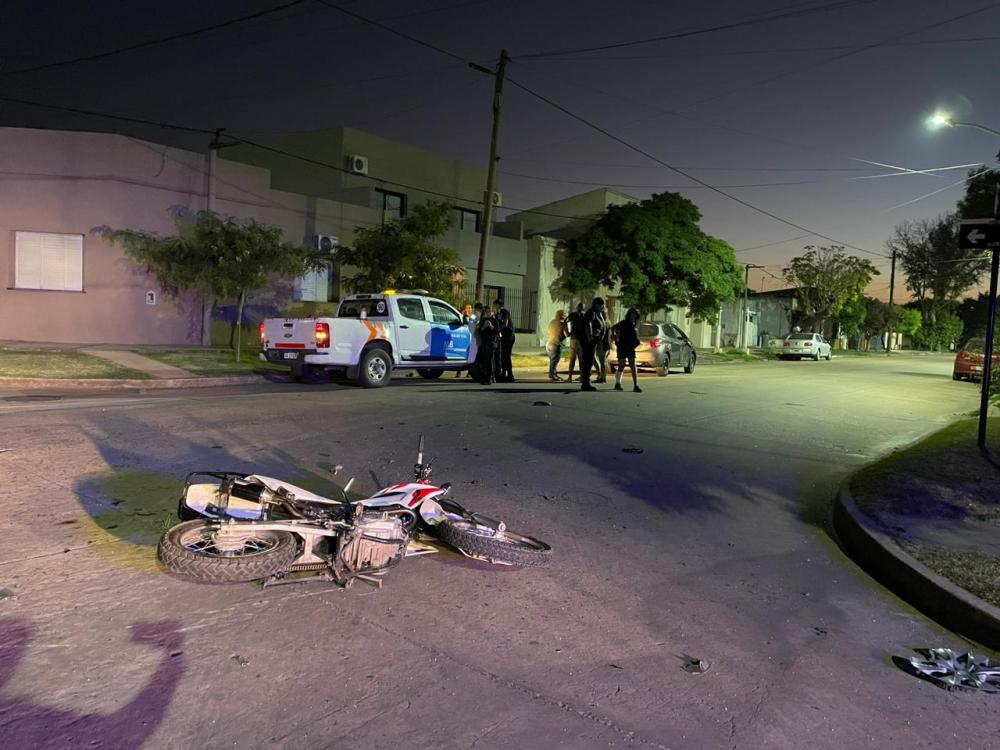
[{"x": 65, "y": 284}]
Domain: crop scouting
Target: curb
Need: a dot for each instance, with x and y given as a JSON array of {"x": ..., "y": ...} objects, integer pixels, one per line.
[
  {"x": 937, "y": 597},
  {"x": 123, "y": 384}
]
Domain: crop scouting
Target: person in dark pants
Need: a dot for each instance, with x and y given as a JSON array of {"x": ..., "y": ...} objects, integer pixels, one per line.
[
  {"x": 591, "y": 332},
  {"x": 575, "y": 321},
  {"x": 486, "y": 356},
  {"x": 506, "y": 325},
  {"x": 626, "y": 335},
  {"x": 554, "y": 346}
]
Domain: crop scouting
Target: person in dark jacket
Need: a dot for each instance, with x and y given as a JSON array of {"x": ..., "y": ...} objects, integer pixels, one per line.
[
  {"x": 575, "y": 321},
  {"x": 591, "y": 332},
  {"x": 626, "y": 336},
  {"x": 489, "y": 339},
  {"x": 506, "y": 325}
]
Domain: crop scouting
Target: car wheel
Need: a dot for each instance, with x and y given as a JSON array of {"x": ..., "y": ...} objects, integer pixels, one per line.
[
  {"x": 955, "y": 375},
  {"x": 829, "y": 355},
  {"x": 692, "y": 360},
  {"x": 816, "y": 356},
  {"x": 664, "y": 369},
  {"x": 375, "y": 369}
]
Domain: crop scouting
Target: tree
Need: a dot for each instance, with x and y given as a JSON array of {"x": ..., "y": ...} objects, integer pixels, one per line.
[
  {"x": 216, "y": 257},
  {"x": 907, "y": 321},
  {"x": 980, "y": 194},
  {"x": 937, "y": 271},
  {"x": 401, "y": 254},
  {"x": 941, "y": 333},
  {"x": 975, "y": 314},
  {"x": 827, "y": 280},
  {"x": 851, "y": 319},
  {"x": 657, "y": 254}
]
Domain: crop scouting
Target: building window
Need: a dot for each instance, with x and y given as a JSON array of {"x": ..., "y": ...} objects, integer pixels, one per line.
[
  {"x": 43, "y": 260},
  {"x": 391, "y": 205},
  {"x": 466, "y": 220},
  {"x": 312, "y": 286}
]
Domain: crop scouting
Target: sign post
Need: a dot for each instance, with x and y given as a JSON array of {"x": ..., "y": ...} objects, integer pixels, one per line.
[{"x": 975, "y": 235}]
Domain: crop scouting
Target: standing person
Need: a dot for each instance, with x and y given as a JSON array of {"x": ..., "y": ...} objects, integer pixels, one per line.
[
  {"x": 602, "y": 349},
  {"x": 558, "y": 331},
  {"x": 626, "y": 335},
  {"x": 486, "y": 356},
  {"x": 468, "y": 317},
  {"x": 590, "y": 332},
  {"x": 506, "y": 325},
  {"x": 575, "y": 321}
]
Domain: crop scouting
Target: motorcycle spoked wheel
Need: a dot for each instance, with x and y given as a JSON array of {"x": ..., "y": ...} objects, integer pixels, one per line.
[
  {"x": 478, "y": 537},
  {"x": 188, "y": 549}
]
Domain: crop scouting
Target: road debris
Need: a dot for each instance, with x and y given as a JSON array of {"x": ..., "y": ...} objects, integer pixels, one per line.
[
  {"x": 239, "y": 660},
  {"x": 952, "y": 670},
  {"x": 693, "y": 665},
  {"x": 7, "y": 594},
  {"x": 542, "y": 403},
  {"x": 632, "y": 449}
]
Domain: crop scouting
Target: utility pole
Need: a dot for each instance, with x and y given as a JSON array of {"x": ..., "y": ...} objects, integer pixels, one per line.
[
  {"x": 746, "y": 295},
  {"x": 984, "y": 400},
  {"x": 892, "y": 289},
  {"x": 491, "y": 175}
]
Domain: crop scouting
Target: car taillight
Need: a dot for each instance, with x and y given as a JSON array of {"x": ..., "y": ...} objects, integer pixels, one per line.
[
  {"x": 322, "y": 335},
  {"x": 787, "y": 343},
  {"x": 808, "y": 343},
  {"x": 655, "y": 343},
  {"x": 262, "y": 334}
]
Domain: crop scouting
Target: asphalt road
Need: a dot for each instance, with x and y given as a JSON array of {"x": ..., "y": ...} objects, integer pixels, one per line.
[{"x": 711, "y": 542}]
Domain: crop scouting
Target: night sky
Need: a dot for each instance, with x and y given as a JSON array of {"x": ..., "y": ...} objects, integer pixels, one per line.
[{"x": 799, "y": 101}]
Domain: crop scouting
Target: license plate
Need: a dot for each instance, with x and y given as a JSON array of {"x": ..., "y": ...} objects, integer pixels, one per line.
[{"x": 291, "y": 355}]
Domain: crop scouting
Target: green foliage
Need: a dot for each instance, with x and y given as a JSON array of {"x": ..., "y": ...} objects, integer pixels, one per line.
[
  {"x": 937, "y": 271},
  {"x": 939, "y": 334},
  {"x": 214, "y": 256},
  {"x": 975, "y": 314},
  {"x": 851, "y": 317},
  {"x": 907, "y": 320},
  {"x": 400, "y": 254},
  {"x": 828, "y": 280},
  {"x": 980, "y": 194},
  {"x": 658, "y": 255}
]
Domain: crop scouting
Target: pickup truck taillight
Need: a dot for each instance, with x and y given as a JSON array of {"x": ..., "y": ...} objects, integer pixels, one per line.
[
  {"x": 262, "y": 336},
  {"x": 322, "y": 335}
]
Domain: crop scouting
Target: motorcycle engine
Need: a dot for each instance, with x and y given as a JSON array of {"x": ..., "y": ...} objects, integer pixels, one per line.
[{"x": 376, "y": 542}]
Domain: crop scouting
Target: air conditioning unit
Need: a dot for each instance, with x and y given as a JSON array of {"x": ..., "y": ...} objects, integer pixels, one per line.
[
  {"x": 357, "y": 164},
  {"x": 497, "y": 199},
  {"x": 325, "y": 243}
]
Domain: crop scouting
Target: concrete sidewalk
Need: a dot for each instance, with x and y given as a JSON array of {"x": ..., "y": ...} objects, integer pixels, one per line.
[{"x": 133, "y": 361}]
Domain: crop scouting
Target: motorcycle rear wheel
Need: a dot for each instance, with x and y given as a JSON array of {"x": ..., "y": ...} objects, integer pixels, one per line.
[
  {"x": 187, "y": 549},
  {"x": 480, "y": 539}
]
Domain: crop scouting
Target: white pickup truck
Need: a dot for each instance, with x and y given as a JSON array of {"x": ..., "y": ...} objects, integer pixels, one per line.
[{"x": 372, "y": 335}]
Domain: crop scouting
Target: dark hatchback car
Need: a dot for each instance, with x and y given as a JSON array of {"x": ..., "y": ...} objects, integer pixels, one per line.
[{"x": 663, "y": 346}]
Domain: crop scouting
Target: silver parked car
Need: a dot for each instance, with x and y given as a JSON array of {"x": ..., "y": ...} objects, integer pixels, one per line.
[
  {"x": 663, "y": 346},
  {"x": 811, "y": 345}
]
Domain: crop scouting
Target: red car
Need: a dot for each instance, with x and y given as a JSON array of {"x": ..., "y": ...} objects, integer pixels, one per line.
[{"x": 969, "y": 361}]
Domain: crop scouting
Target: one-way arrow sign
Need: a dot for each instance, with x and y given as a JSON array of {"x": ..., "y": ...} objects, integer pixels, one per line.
[{"x": 979, "y": 234}]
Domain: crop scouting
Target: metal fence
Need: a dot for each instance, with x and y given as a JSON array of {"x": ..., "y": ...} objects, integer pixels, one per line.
[{"x": 523, "y": 306}]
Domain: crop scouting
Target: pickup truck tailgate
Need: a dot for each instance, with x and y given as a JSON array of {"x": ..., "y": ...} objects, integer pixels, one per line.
[{"x": 290, "y": 334}]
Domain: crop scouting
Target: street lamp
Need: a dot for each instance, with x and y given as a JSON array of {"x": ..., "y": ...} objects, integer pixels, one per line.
[{"x": 941, "y": 119}]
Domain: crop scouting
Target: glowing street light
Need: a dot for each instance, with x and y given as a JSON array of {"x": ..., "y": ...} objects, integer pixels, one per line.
[{"x": 941, "y": 119}]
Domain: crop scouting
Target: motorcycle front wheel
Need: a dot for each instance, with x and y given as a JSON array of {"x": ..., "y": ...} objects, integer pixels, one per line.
[
  {"x": 478, "y": 537},
  {"x": 190, "y": 549}
]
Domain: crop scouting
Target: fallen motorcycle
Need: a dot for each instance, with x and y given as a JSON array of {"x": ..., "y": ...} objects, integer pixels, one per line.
[{"x": 248, "y": 527}]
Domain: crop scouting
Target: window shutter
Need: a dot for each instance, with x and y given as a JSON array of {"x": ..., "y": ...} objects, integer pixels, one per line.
[{"x": 48, "y": 261}]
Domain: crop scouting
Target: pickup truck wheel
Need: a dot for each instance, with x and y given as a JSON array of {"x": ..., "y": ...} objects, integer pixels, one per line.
[
  {"x": 428, "y": 373},
  {"x": 375, "y": 369}
]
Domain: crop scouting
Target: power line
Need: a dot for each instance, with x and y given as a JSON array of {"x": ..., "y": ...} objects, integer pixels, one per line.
[
  {"x": 655, "y": 187},
  {"x": 772, "y": 244},
  {"x": 683, "y": 173},
  {"x": 753, "y": 21},
  {"x": 153, "y": 42}
]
